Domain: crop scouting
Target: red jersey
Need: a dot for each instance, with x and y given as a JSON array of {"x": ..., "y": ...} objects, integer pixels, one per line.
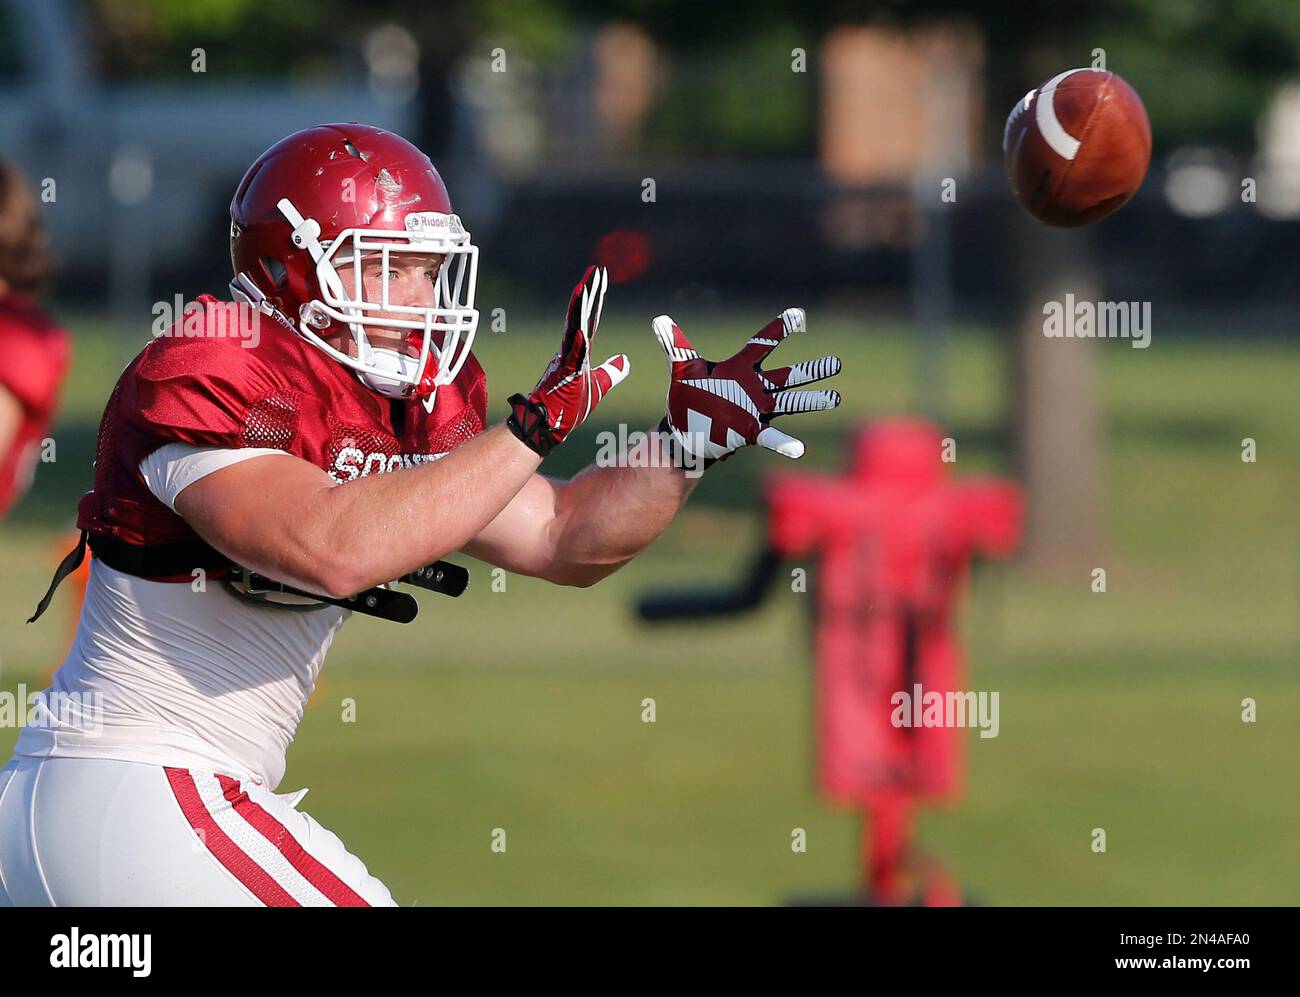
[
  {"x": 36, "y": 352},
  {"x": 204, "y": 384}
]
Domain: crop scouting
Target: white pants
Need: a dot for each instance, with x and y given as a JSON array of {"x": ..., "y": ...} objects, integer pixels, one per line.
[{"x": 89, "y": 832}]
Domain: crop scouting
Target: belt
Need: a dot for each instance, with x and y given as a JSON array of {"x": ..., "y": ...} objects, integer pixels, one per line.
[{"x": 184, "y": 557}]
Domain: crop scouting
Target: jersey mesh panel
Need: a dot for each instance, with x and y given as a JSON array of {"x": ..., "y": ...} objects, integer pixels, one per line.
[
  {"x": 106, "y": 447},
  {"x": 272, "y": 422},
  {"x": 460, "y": 430}
]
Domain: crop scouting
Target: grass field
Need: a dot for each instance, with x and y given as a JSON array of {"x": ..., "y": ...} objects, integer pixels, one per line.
[{"x": 521, "y": 709}]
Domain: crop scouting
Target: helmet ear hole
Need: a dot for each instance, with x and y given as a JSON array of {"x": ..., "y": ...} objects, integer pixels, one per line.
[{"x": 274, "y": 270}]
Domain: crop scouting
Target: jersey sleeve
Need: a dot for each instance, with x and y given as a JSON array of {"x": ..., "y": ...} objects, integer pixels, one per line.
[{"x": 213, "y": 393}]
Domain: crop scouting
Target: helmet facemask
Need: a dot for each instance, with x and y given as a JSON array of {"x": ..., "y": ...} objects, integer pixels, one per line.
[{"x": 443, "y": 333}]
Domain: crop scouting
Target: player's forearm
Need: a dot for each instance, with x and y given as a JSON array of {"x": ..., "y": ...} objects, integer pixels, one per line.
[
  {"x": 606, "y": 516},
  {"x": 380, "y": 527}
]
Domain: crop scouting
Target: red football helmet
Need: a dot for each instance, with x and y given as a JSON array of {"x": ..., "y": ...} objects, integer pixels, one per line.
[{"x": 331, "y": 195}]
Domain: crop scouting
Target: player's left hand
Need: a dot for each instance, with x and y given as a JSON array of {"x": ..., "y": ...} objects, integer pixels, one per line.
[
  {"x": 714, "y": 408},
  {"x": 571, "y": 386}
]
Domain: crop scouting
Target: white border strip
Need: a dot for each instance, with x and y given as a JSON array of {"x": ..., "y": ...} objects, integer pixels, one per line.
[{"x": 1061, "y": 142}]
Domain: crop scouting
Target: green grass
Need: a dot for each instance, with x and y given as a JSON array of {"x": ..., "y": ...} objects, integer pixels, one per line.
[{"x": 522, "y": 709}]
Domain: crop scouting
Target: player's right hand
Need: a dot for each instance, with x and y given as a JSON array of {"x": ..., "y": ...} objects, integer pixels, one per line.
[{"x": 571, "y": 388}]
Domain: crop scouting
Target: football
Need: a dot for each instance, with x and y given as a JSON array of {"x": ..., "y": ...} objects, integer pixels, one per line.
[{"x": 1077, "y": 147}]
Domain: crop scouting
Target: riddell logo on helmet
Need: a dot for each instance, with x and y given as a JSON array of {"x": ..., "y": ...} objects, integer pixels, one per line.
[
  {"x": 434, "y": 223},
  {"x": 179, "y": 319}
]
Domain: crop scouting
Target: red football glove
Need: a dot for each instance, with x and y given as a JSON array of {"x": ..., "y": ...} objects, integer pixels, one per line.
[
  {"x": 716, "y": 408},
  {"x": 571, "y": 387}
]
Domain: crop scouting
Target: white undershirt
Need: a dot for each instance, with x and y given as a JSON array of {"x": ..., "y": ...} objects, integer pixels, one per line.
[
  {"x": 184, "y": 675},
  {"x": 172, "y": 468}
]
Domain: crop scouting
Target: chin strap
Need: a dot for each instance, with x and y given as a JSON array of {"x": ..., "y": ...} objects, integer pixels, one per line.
[
  {"x": 243, "y": 290},
  {"x": 306, "y": 231},
  {"x": 427, "y": 391}
]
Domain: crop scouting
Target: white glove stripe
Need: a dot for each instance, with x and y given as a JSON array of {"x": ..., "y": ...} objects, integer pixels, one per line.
[
  {"x": 616, "y": 376},
  {"x": 806, "y": 401},
  {"x": 602, "y": 281},
  {"x": 698, "y": 430},
  {"x": 813, "y": 370},
  {"x": 727, "y": 389},
  {"x": 663, "y": 330},
  {"x": 567, "y": 379}
]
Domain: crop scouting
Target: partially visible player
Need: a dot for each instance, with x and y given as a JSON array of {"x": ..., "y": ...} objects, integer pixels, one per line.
[{"x": 34, "y": 351}]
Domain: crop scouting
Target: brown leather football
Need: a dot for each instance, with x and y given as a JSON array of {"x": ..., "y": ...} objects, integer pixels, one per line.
[{"x": 1077, "y": 147}]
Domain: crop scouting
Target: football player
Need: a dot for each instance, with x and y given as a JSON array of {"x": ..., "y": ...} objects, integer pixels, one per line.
[
  {"x": 36, "y": 351},
  {"x": 263, "y": 440}
]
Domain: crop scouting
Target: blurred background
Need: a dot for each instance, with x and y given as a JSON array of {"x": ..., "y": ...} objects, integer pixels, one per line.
[{"x": 727, "y": 160}]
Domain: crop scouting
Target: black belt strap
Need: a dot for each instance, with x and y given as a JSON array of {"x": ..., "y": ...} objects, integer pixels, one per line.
[
  {"x": 70, "y": 563},
  {"x": 157, "y": 560},
  {"x": 153, "y": 561}
]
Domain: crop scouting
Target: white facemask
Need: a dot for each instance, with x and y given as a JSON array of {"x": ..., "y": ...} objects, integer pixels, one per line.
[{"x": 446, "y": 329}]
